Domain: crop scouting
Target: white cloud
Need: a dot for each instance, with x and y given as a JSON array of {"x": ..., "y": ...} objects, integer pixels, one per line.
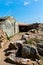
[
  {"x": 35, "y": 0},
  {"x": 26, "y": 2}
]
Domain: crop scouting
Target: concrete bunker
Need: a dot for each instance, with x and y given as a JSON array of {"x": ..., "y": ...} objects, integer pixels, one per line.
[
  {"x": 27, "y": 27},
  {"x": 23, "y": 28}
]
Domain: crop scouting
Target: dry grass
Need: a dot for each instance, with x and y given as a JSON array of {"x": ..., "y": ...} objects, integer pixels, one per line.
[{"x": 32, "y": 41}]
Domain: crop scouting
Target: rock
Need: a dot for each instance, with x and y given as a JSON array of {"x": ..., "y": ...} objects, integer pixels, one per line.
[
  {"x": 21, "y": 61},
  {"x": 28, "y": 52},
  {"x": 3, "y": 38},
  {"x": 11, "y": 47},
  {"x": 2, "y": 35},
  {"x": 41, "y": 62},
  {"x": 27, "y": 33},
  {"x": 8, "y": 53},
  {"x": 24, "y": 37},
  {"x": 40, "y": 48},
  {"x": 19, "y": 41},
  {"x": 40, "y": 27},
  {"x": 2, "y": 43},
  {"x": 33, "y": 31}
]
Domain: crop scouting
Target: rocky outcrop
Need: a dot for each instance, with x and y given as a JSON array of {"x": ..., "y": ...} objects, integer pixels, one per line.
[
  {"x": 40, "y": 27},
  {"x": 20, "y": 61},
  {"x": 22, "y": 53},
  {"x": 2, "y": 35},
  {"x": 40, "y": 48},
  {"x": 3, "y": 38},
  {"x": 16, "y": 56}
]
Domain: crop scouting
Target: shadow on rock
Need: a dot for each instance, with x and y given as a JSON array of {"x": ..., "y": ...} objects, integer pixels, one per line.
[
  {"x": 10, "y": 47},
  {"x": 8, "y": 53},
  {"x": 7, "y": 60},
  {"x": 40, "y": 48}
]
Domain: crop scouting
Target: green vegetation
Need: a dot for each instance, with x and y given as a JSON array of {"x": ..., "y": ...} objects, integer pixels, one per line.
[{"x": 8, "y": 38}]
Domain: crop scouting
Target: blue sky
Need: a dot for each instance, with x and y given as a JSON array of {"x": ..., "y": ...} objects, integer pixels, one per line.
[{"x": 27, "y": 11}]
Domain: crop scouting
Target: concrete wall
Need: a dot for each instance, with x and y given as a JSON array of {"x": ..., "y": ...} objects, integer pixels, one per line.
[
  {"x": 16, "y": 27},
  {"x": 8, "y": 26}
]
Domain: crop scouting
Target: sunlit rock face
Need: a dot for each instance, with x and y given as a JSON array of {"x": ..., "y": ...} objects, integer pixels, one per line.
[
  {"x": 40, "y": 27},
  {"x": 7, "y": 24}
]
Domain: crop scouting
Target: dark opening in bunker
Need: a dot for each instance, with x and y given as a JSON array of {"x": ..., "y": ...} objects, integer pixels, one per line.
[
  {"x": 23, "y": 28},
  {"x": 26, "y": 27}
]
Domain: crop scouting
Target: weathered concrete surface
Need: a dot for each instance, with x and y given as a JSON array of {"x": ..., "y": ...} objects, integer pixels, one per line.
[{"x": 7, "y": 25}]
